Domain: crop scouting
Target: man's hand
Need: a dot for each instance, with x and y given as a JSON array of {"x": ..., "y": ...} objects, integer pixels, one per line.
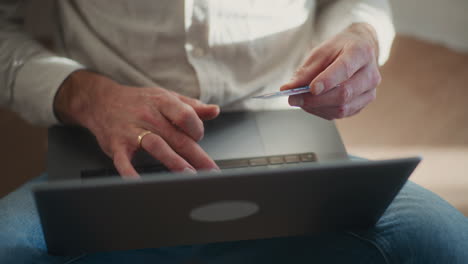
[
  {"x": 342, "y": 74},
  {"x": 117, "y": 114}
]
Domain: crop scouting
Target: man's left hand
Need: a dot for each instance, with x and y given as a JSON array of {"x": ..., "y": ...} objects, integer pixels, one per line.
[{"x": 342, "y": 74}]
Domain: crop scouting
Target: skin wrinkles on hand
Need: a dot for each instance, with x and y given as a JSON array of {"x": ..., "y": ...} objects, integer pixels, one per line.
[
  {"x": 342, "y": 74},
  {"x": 117, "y": 114}
]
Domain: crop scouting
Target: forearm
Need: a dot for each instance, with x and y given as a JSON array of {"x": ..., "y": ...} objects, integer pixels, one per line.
[
  {"x": 336, "y": 15},
  {"x": 29, "y": 74}
]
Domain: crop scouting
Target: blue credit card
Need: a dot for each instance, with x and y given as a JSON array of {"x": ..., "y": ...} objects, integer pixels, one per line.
[{"x": 300, "y": 90}]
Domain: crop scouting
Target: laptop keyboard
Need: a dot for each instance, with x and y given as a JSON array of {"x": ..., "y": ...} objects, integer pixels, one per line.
[{"x": 277, "y": 161}]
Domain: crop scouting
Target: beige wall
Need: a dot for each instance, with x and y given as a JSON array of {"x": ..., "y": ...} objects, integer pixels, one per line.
[{"x": 440, "y": 21}]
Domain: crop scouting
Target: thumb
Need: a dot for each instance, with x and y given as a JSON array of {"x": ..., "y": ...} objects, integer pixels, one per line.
[
  {"x": 317, "y": 61},
  {"x": 299, "y": 78},
  {"x": 302, "y": 77}
]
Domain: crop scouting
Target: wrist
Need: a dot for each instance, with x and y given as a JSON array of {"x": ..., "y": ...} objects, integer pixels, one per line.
[
  {"x": 367, "y": 32},
  {"x": 73, "y": 101}
]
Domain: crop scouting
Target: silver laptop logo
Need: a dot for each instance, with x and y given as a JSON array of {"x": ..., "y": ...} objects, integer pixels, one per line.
[{"x": 223, "y": 211}]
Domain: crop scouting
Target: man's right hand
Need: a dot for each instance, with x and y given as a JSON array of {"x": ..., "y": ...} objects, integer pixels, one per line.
[{"x": 116, "y": 114}]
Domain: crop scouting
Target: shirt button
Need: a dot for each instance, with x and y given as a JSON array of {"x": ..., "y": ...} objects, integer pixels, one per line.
[{"x": 189, "y": 47}]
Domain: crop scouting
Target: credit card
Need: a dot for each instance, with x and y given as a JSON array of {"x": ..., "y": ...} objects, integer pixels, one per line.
[{"x": 294, "y": 91}]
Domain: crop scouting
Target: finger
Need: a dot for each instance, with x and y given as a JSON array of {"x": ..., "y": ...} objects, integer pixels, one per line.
[
  {"x": 160, "y": 150},
  {"x": 187, "y": 148},
  {"x": 365, "y": 79},
  {"x": 192, "y": 152},
  {"x": 342, "y": 69},
  {"x": 122, "y": 162},
  {"x": 182, "y": 144},
  {"x": 183, "y": 116},
  {"x": 319, "y": 59},
  {"x": 303, "y": 75},
  {"x": 346, "y": 110},
  {"x": 204, "y": 111}
]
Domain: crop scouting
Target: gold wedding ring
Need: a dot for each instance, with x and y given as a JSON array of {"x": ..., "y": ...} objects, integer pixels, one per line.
[{"x": 142, "y": 135}]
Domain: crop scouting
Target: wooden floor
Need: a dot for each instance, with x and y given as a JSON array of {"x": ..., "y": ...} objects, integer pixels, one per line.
[
  {"x": 22, "y": 152},
  {"x": 421, "y": 109}
]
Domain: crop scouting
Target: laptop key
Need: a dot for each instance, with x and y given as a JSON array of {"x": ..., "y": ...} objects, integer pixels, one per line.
[
  {"x": 234, "y": 163},
  {"x": 292, "y": 159},
  {"x": 258, "y": 162},
  {"x": 308, "y": 157},
  {"x": 276, "y": 160},
  {"x": 270, "y": 162}
]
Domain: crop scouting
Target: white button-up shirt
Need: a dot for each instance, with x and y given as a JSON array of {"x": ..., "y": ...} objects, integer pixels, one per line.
[{"x": 220, "y": 51}]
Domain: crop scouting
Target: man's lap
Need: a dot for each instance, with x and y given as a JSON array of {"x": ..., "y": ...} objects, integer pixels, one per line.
[
  {"x": 417, "y": 227},
  {"x": 420, "y": 227}
]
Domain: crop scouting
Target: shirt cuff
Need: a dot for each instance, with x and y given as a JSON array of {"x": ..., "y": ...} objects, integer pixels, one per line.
[
  {"x": 378, "y": 14},
  {"x": 381, "y": 21},
  {"x": 36, "y": 84}
]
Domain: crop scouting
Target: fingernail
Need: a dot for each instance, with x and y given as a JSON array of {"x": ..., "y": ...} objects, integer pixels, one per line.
[
  {"x": 190, "y": 170},
  {"x": 318, "y": 88},
  {"x": 296, "y": 101}
]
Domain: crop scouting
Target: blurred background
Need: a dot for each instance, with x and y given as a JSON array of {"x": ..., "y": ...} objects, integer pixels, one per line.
[{"x": 421, "y": 107}]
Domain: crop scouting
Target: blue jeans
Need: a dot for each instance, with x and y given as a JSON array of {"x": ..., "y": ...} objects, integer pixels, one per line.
[{"x": 418, "y": 227}]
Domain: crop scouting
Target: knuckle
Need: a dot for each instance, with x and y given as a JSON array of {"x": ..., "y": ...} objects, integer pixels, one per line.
[
  {"x": 344, "y": 94},
  {"x": 184, "y": 116},
  {"x": 161, "y": 98},
  {"x": 376, "y": 78},
  {"x": 115, "y": 144},
  {"x": 341, "y": 111},
  {"x": 300, "y": 71},
  {"x": 145, "y": 114},
  {"x": 199, "y": 134}
]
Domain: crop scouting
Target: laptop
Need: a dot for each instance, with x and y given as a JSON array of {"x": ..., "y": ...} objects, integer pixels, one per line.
[{"x": 283, "y": 173}]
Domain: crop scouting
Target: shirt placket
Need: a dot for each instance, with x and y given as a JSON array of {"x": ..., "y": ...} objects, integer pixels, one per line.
[{"x": 197, "y": 46}]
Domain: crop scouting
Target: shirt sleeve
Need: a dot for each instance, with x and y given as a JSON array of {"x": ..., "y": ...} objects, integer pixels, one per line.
[
  {"x": 335, "y": 15},
  {"x": 30, "y": 75}
]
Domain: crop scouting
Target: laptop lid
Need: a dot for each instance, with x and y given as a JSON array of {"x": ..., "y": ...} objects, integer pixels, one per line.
[{"x": 106, "y": 214}]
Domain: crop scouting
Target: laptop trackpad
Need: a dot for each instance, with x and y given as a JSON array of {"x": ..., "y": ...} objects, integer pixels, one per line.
[{"x": 235, "y": 135}]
